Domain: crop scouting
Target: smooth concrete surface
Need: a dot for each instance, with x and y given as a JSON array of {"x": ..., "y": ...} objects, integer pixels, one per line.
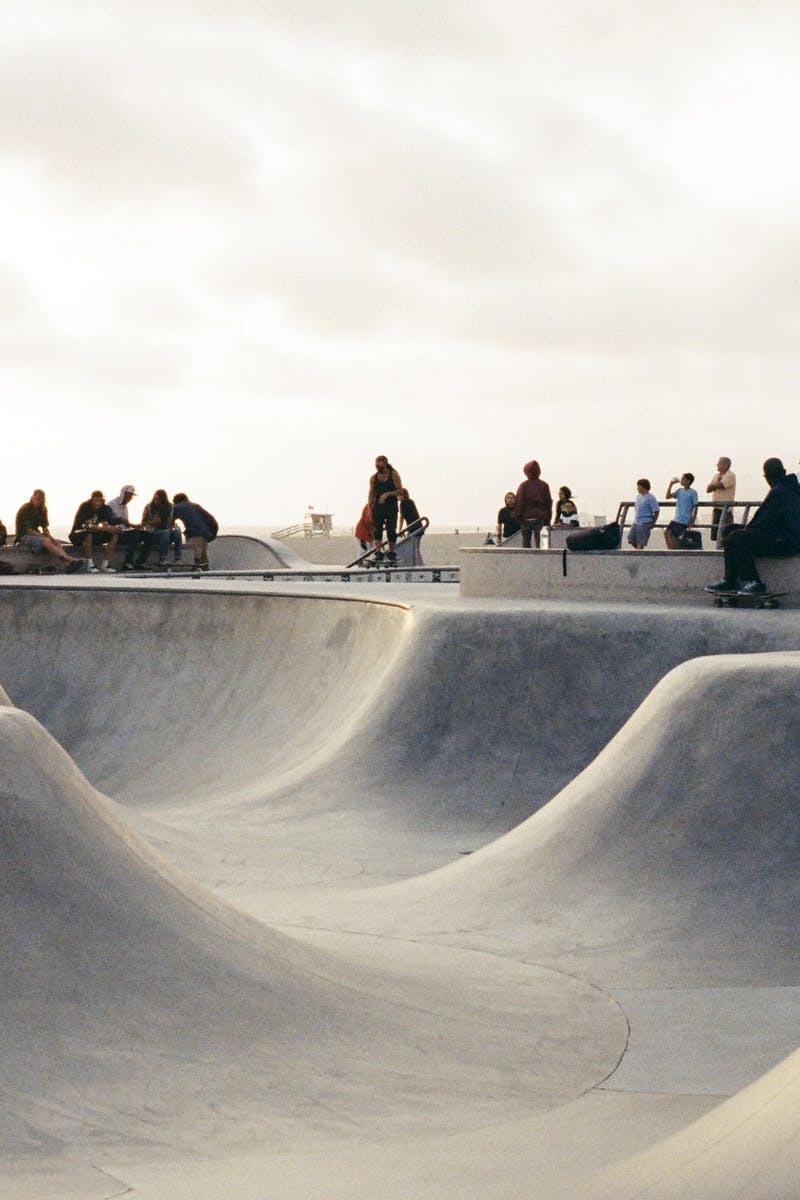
[
  {"x": 618, "y": 576},
  {"x": 395, "y": 893}
]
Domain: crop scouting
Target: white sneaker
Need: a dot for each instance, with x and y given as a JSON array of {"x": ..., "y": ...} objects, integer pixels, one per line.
[
  {"x": 91, "y": 569},
  {"x": 106, "y": 566}
]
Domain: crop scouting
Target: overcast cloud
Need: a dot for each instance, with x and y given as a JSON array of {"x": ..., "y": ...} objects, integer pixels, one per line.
[{"x": 249, "y": 245}]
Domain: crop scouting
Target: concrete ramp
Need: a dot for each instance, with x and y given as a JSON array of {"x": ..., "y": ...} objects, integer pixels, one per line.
[
  {"x": 747, "y": 1148},
  {"x": 675, "y": 856},
  {"x": 523, "y": 1020},
  {"x": 237, "y": 552},
  {"x": 138, "y": 1011}
]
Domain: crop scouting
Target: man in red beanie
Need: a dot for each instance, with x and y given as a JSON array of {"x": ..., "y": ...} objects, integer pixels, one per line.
[{"x": 533, "y": 506}]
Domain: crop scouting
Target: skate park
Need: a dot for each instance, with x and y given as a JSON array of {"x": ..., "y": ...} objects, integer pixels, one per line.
[{"x": 362, "y": 889}]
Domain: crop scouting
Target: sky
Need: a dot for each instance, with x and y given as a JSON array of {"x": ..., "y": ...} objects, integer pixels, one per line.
[{"x": 248, "y": 245}]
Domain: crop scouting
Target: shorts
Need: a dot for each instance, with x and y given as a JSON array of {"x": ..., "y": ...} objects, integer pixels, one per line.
[
  {"x": 677, "y": 528},
  {"x": 34, "y": 541},
  {"x": 385, "y": 514},
  {"x": 639, "y": 535}
]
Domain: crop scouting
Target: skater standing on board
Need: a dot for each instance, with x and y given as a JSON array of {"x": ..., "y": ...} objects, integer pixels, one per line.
[
  {"x": 773, "y": 532},
  {"x": 533, "y": 505},
  {"x": 385, "y": 489},
  {"x": 722, "y": 488},
  {"x": 645, "y": 515}
]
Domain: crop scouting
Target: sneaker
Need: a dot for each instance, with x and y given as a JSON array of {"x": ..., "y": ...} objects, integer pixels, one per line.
[
  {"x": 391, "y": 559},
  {"x": 753, "y": 587},
  {"x": 106, "y": 566},
  {"x": 162, "y": 564},
  {"x": 128, "y": 566},
  {"x": 91, "y": 569},
  {"x": 76, "y": 564},
  {"x": 721, "y": 587}
]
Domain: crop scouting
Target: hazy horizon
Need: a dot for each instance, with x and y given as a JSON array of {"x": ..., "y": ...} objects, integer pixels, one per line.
[{"x": 249, "y": 246}]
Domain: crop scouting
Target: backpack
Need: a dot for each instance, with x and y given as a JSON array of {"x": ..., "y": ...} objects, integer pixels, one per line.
[{"x": 602, "y": 537}]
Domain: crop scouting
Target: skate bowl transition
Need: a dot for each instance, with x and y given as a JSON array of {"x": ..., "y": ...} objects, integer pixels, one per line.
[{"x": 320, "y": 893}]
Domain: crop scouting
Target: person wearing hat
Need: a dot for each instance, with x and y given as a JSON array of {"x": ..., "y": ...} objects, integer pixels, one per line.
[
  {"x": 93, "y": 526},
  {"x": 130, "y": 535}
]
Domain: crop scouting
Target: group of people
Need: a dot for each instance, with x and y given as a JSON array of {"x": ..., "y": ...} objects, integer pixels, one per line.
[
  {"x": 389, "y": 511},
  {"x": 530, "y": 509},
  {"x": 773, "y": 531},
  {"x": 721, "y": 488},
  {"x": 101, "y": 526}
]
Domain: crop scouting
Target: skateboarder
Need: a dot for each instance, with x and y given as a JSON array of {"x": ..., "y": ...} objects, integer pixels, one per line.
[
  {"x": 385, "y": 489},
  {"x": 773, "y": 532}
]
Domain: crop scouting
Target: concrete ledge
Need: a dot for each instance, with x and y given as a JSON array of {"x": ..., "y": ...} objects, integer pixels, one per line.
[{"x": 622, "y": 576}]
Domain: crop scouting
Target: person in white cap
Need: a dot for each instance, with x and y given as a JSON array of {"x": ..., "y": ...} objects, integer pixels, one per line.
[{"x": 130, "y": 535}]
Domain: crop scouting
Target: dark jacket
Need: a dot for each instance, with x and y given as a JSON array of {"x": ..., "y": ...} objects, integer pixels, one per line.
[
  {"x": 87, "y": 515},
  {"x": 197, "y": 522},
  {"x": 533, "y": 502},
  {"x": 779, "y": 514}
]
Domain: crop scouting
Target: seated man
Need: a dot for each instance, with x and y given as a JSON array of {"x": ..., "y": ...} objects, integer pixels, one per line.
[
  {"x": 94, "y": 526},
  {"x": 130, "y": 535},
  {"x": 773, "y": 531}
]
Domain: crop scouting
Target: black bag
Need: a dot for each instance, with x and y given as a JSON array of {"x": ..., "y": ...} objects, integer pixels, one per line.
[
  {"x": 3, "y": 534},
  {"x": 602, "y": 537},
  {"x": 690, "y": 539}
]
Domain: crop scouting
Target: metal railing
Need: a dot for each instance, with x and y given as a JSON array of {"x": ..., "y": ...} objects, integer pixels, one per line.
[{"x": 728, "y": 514}]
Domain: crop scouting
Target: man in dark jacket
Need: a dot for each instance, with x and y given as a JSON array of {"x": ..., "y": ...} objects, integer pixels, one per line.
[
  {"x": 199, "y": 526},
  {"x": 773, "y": 532},
  {"x": 533, "y": 507}
]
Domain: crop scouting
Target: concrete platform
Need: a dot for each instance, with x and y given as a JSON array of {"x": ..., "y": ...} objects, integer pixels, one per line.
[
  {"x": 394, "y": 893},
  {"x": 617, "y": 576}
]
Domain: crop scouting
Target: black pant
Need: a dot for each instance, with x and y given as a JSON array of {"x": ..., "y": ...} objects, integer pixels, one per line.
[
  {"x": 742, "y": 546},
  {"x": 130, "y": 539},
  {"x": 716, "y": 513},
  {"x": 385, "y": 514}
]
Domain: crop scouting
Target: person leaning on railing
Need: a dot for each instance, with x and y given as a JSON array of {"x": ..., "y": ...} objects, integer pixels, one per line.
[{"x": 722, "y": 489}]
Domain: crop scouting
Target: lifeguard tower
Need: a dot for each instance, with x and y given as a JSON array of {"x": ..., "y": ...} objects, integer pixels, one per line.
[{"x": 315, "y": 524}]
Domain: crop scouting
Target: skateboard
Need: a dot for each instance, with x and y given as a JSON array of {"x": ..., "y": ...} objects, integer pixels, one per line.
[{"x": 747, "y": 600}]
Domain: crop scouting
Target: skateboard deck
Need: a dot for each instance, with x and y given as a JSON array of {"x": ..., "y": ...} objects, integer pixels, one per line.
[{"x": 747, "y": 600}]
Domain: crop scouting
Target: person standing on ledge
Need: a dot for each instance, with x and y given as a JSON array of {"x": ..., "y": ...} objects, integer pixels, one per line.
[
  {"x": 773, "y": 532},
  {"x": 507, "y": 523},
  {"x": 722, "y": 489},
  {"x": 533, "y": 505},
  {"x": 385, "y": 489},
  {"x": 645, "y": 516}
]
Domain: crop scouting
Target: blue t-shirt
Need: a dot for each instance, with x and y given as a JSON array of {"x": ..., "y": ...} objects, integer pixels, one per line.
[
  {"x": 646, "y": 508},
  {"x": 685, "y": 501}
]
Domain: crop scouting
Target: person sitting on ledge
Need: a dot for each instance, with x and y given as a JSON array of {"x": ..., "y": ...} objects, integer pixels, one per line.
[
  {"x": 94, "y": 526},
  {"x": 33, "y": 530},
  {"x": 772, "y": 532}
]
